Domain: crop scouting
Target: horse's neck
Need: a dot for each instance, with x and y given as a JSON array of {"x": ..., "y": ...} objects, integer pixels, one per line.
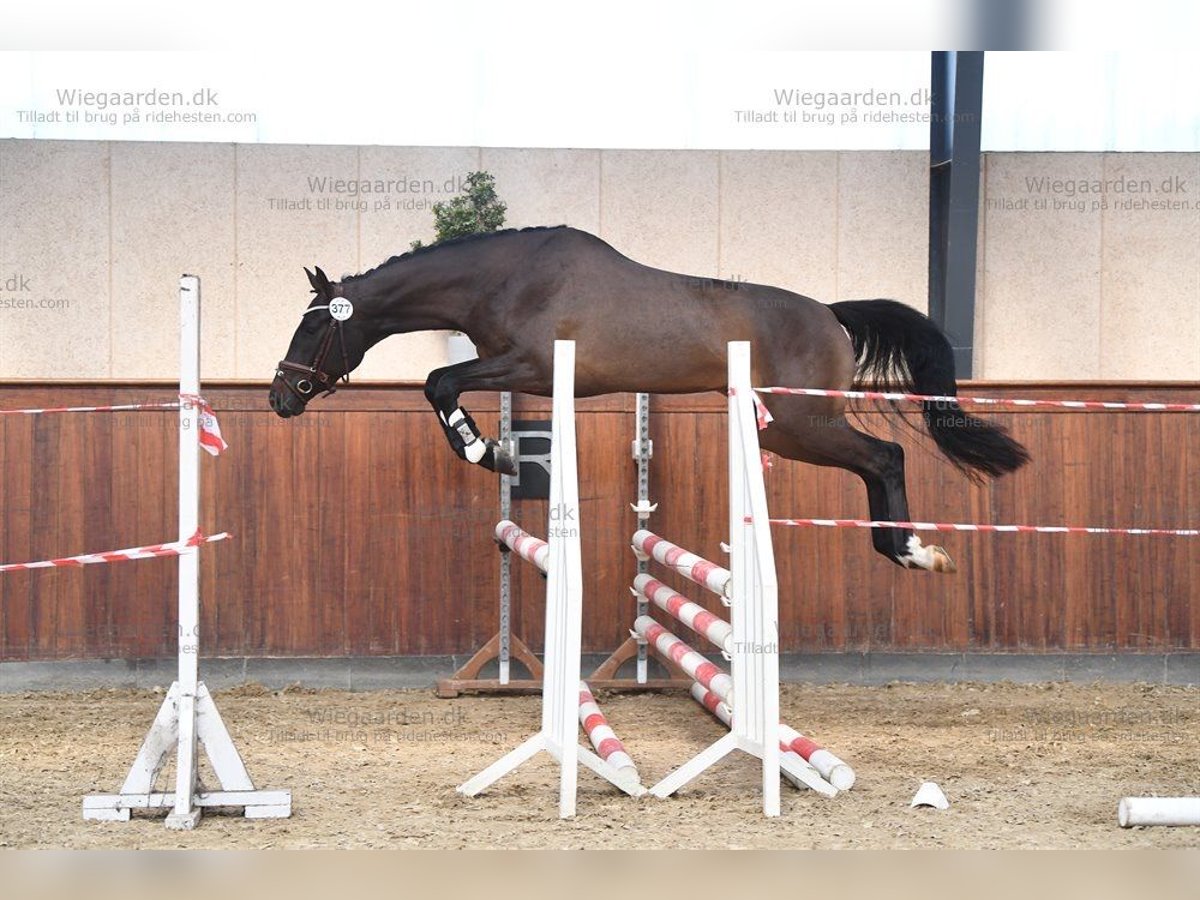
[{"x": 420, "y": 294}]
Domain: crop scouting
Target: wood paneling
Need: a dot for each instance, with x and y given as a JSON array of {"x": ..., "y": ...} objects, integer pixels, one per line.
[{"x": 356, "y": 531}]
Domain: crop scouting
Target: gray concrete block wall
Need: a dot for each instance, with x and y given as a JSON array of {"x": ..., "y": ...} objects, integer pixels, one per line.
[
  {"x": 1074, "y": 284},
  {"x": 387, "y": 229},
  {"x": 1150, "y": 268},
  {"x": 56, "y": 245},
  {"x": 1063, "y": 293},
  {"x": 173, "y": 211},
  {"x": 794, "y": 198}
]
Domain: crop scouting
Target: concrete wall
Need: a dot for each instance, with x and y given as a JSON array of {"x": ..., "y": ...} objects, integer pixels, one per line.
[
  {"x": 94, "y": 235},
  {"x": 1079, "y": 284}
]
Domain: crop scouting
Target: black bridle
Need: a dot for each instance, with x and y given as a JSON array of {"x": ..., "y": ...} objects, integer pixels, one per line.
[{"x": 314, "y": 380}]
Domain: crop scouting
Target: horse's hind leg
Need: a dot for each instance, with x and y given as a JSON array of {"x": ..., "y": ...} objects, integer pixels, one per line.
[
  {"x": 442, "y": 390},
  {"x": 829, "y": 440}
]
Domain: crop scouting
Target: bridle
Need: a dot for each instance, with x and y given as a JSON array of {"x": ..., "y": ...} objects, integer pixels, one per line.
[{"x": 313, "y": 378}]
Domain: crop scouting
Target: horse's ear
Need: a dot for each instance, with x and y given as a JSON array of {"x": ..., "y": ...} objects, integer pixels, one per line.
[
  {"x": 313, "y": 280},
  {"x": 324, "y": 288}
]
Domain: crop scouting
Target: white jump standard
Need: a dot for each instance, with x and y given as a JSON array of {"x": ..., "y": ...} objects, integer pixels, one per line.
[
  {"x": 751, "y": 587},
  {"x": 561, "y": 561},
  {"x": 188, "y": 718}
]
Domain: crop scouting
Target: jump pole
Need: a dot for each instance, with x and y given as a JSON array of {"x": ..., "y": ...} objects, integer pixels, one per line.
[
  {"x": 188, "y": 716},
  {"x": 559, "y": 732},
  {"x": 754, "y": 603},
  {"x": 1133, "y": 811},
  {"x": 712, "y": 690}
]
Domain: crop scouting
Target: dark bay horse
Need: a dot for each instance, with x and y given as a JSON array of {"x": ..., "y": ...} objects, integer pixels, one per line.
[{"x": 643, "y": 329}]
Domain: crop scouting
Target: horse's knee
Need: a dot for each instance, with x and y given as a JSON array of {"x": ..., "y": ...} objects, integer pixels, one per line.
[
  {"x": 431, "y": 384},
  {"x": 442, "y": 394}
]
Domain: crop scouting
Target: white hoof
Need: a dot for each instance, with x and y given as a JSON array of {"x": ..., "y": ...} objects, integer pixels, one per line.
[{"x": 931, "y": 558}]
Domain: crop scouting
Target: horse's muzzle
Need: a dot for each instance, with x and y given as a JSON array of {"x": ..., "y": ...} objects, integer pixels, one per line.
[{"x": 283, "y": 401}]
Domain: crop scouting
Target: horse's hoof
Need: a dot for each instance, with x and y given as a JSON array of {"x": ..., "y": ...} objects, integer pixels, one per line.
[
  {"x": 503, "y": 462},
  {"x": 941, "y": 561}
]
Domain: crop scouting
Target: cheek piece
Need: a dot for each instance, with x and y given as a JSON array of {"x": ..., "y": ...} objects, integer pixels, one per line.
[{"x": 312, "y": 380}]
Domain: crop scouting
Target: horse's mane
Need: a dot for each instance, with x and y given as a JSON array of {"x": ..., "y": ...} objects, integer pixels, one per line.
[{"x": 449, "y": 242}]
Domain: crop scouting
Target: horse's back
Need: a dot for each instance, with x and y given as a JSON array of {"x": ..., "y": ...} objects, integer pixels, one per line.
[{"x": 641, "y": 328}]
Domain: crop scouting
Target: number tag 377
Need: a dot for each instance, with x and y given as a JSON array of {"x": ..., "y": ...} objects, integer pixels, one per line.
[{"x": 341, "y": 309}]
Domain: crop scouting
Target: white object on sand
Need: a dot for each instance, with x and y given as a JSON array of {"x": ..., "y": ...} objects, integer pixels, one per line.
[{"x": 929, "y": 794}]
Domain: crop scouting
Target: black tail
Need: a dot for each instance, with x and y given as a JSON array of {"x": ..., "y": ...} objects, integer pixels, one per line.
[{"x": 895, "y": 344}]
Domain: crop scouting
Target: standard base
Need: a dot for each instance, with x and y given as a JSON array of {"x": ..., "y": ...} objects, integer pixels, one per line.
[
  {"x": 183, "y": 821},
  {"x": 606, "y": 677},
  {"x": 467, "y": 680},
  {"x": 539, "y": 743},
  {"x": 163, "y": 741},
  {"x": 256, "y": 804}
]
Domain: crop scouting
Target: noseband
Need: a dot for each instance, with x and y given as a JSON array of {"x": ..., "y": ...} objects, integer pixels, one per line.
[{"x": 314, "y": 381}]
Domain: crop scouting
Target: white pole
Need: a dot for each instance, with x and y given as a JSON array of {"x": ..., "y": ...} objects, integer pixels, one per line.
[
  {"x": 188, "y": 717},
  {"x": 755, "y": 610},
  {"x": 1158, "y": 811},
  {"x": 189, "y": 562},
  {"x": 564, "y": 579}
]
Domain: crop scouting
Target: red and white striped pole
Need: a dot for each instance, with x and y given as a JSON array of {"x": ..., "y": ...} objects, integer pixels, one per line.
[
  {"x": 603, "y": 738},
  {"x": 692, "y": 662},
  {"x": 173, "y": 548},
  {"x": 695, "y": 568},
  {"x": 693, "y": 615},
  {"x": 832, "y": 769},
  {"x": 525, "y": 545}
]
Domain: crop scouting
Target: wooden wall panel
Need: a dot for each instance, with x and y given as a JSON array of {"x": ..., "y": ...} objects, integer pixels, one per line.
[{"x": 356, "y": 531}]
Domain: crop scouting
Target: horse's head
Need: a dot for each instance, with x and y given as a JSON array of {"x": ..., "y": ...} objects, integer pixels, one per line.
[{"x": 329, "y": 343}]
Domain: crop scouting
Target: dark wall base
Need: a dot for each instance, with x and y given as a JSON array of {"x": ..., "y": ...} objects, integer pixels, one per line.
[{"x": 378, "y": 673}]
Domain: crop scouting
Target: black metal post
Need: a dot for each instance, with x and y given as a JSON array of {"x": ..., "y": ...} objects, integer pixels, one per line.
[{"x": 955, "y": 111}]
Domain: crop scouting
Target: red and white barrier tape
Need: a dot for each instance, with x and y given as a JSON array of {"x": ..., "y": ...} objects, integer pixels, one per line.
[
  {"x": 761, "y": 413},
  {"x": 984, "y": 401},
  {"x": 211, "y": 441},
  {"x": 959, "y": 526},
  {"x": 71, "y": 409},
  {"x": 174, "y": 548},
  {"x": 210, "y": 430}
]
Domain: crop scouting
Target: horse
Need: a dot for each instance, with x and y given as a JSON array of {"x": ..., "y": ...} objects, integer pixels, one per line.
[{"x": 638, "y": 328}]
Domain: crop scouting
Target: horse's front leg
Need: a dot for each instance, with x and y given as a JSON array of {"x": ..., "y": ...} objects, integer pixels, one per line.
[{"x": 442, "y": 390}]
